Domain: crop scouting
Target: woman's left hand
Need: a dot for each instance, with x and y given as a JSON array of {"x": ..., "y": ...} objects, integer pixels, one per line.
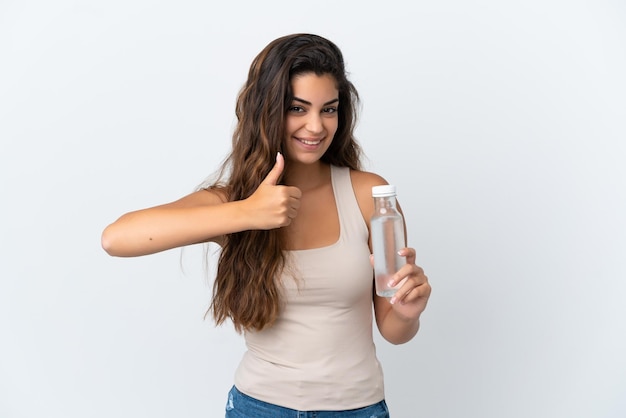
[{"x": 411, "y": 298}]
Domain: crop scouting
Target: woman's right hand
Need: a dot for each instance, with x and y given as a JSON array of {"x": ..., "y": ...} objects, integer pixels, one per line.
[
  {"x": 273, "y": 205},
  {"x": 202, "y": 216}
]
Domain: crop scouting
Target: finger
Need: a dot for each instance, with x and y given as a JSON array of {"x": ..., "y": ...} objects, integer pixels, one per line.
[
  {"x": 404, "y": 272},
  {"x": 420, "y": 292},
  {"x": 416, "y": 279},
  {"x": 274, "y": 175},
  {"x": 292, "y": 213},
  {"x": 410, "y": 292},
  {"x": 295, "y": 194},
  {"x": 409, "y": 253}
]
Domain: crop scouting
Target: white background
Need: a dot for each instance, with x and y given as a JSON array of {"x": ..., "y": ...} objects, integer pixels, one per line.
[{"x": 503, "y": 124}]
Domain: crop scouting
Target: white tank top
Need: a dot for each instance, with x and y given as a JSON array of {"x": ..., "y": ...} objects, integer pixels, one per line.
[{"x": 320, "y": 354}]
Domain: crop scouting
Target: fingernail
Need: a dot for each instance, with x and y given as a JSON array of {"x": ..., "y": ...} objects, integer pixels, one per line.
[
  {"x": 392, "y": 300},
  {"x": 390, "y": 283}
]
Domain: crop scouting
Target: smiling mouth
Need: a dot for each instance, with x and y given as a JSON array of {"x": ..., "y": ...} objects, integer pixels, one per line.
[{"x": 306, "y": 142}]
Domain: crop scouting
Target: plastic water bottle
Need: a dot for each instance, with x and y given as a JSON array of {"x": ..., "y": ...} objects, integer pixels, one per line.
[{"x": 387, "y": 229}]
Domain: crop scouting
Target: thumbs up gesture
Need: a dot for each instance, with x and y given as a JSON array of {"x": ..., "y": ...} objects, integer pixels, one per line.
[{"x": 273, "y": 205}]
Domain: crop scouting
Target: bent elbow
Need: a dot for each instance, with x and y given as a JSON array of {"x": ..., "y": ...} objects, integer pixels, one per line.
[{"x": 108, "y": 242}]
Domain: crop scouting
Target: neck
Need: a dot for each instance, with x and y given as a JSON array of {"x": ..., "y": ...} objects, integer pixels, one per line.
[{"x": 307, "y": 177}]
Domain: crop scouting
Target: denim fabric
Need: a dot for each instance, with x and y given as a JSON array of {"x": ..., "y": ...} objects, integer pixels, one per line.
[{"x": 240, "y": 405}]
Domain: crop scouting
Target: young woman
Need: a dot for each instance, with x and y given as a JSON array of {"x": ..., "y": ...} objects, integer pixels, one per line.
[{"x": 290, "y": 209}]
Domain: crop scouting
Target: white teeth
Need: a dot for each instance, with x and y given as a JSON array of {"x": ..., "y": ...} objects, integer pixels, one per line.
[{"x": 304, "y": 141}]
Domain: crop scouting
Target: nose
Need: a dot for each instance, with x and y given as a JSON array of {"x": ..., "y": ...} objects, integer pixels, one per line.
[{"x": 314, "y": 123}]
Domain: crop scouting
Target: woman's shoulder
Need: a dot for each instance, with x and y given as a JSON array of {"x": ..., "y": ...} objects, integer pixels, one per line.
[{"x": 363, "y": 181}]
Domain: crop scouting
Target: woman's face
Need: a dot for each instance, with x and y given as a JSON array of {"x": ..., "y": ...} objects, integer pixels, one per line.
[{"x": 312, "y": 119}]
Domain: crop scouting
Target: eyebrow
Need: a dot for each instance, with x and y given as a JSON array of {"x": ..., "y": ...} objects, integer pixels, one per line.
[{"x": 306, "y": 102}]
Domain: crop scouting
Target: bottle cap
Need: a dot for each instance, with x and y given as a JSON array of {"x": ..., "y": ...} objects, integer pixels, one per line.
[{"x": 385, "y": 190}]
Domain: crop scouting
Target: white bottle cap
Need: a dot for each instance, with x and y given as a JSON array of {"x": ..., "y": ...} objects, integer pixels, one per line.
[{"x": 385, "y": 190}]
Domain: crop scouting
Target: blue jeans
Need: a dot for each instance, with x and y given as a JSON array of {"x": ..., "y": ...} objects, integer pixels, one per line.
[{"x": 240, "y": 405}]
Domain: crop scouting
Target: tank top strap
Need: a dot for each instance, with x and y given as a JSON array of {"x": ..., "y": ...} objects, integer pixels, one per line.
[{"x": 350, "y": 216}]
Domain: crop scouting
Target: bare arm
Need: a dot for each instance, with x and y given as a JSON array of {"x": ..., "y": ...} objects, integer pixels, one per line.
[
  {"x": 202, "y": 216},
  {"x": 199, "y": 217},
  {"x": 397, "y": 318}
]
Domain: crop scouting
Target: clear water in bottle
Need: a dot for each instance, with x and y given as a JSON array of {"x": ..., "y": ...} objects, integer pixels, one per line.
[{"x": 387, "y": 229}]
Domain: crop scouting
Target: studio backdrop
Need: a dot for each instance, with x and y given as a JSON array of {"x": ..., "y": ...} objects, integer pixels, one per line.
[{"x": 502, "y": 124}]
